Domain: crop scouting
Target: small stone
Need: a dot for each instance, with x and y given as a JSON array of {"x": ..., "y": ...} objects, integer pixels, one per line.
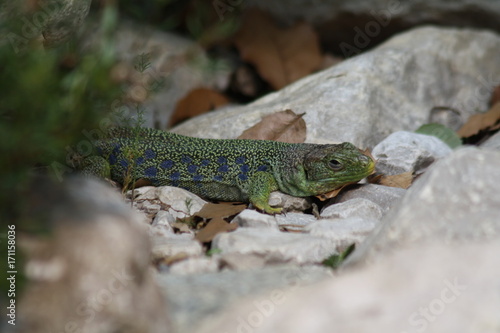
[
  {"x": 253, "y": 219},
  {"x": 288, "y": 202},
  {"x": 384, "y": 196},
  {"x": 166, "y": 245},
  {"x": 294, "y": 221},
  {"x": 357, "y": 207},
  {"x": 241, "y": 262},
  {"x": 408, "y": 152},
  {"x": 196, "y": 265},
  {"x": 343, "y": 232},
  {"x": 164, "y": 220},
  {"x": 276, "y": 246},
  {"x": 143, "y": 193},
  {"x": 151, "y": 208},
  {"x": 182, "y": 203}
]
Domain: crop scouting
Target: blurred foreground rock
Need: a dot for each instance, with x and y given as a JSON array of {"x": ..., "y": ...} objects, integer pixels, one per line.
[
  {"x": 432, "y": 287},
  {"x": 92, "y": 274},
  {"x": 454, "y": 201}
]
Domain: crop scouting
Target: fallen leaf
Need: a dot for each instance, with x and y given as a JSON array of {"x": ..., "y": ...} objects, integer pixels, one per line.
[
  {"x": 402, "y": 180},
  {"x": 329, "y": 61},
  {"x": 495, "y": 97},
  {"x": 281, "y": 55},
  {"x": 181, "y": 227},
  {"x": 196, "y": 102},
  {"x": 445, "y": 134},
  {"x": 482, "y": 121},
  {"x": 214, "y": 227},
  {"x": 283, "y": 126},
  {"x": 211, "y": 210},
  {"x": 175, "y": 258},
  {"x": 331, "y": 194},
  {"x": 368, "y": 153},
  {"x": 141, "y": 182}
]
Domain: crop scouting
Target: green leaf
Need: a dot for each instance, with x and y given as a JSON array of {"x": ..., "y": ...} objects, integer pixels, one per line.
[
  {"x": 441, "y": 132},
  {"x": 213, "y": 251},
  {"x": 335, "y": 260}
]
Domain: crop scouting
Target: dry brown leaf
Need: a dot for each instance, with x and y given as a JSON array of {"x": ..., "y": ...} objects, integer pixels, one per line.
[
  {"x": 283, "y": 126},
  {"x": 329, "y": 61},
  {"x": 368, "y": 153},
  {"x": 196, "y": 102},
  {"x": 495, "y": 97},
  {"x": 480, "y": 122},
  {"x": 215, "y": 226},
  {"x": 281, "y": 56},
  {"x": 175, "y": 258},
  {"x": 141, "y": 182},
  {"x": 402, "y": 180},
  {"x": 182, "y": 227},
  {"x": 331, "y": 194},
  {"x": 211, "y": 210}
]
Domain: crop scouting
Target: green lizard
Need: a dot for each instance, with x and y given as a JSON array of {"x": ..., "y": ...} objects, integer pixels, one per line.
[{"x": 227, "y": 170}]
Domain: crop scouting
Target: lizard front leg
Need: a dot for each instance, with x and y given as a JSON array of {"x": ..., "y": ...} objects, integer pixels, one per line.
[{"x": 261, "y": 186}]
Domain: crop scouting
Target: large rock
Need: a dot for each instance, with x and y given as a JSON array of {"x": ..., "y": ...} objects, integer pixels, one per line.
[
  {"x": 493, "y": 142},
  {"x": 364, "y": 99},
  {"x": 457, "y": 199},
  {"x": 431, "y": 288}
]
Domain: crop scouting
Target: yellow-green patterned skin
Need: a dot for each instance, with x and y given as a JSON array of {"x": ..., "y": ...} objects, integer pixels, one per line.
[{"x": 228, "y": 170}]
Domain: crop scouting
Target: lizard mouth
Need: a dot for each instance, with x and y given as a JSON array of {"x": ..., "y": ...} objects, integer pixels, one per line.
[{"x": 350, "y": 176}]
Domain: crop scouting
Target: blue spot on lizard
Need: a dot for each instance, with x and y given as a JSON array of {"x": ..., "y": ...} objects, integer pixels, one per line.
[
  {"x": 192, "y": 168},
  {"x": 167, "y": 164},
  {"x": 150, "y": 172}
]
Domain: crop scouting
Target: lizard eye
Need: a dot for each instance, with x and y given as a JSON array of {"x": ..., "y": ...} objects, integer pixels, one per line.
[{"x": 335, "y": 165}]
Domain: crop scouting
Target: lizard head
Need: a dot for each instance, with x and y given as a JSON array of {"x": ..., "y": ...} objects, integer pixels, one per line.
[{"x": 328, "y": 167}]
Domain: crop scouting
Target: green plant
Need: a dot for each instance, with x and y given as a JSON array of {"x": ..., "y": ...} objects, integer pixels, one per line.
[
  {"x": 335, "y": 260},
  {"x": 49, "y": 97}
]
